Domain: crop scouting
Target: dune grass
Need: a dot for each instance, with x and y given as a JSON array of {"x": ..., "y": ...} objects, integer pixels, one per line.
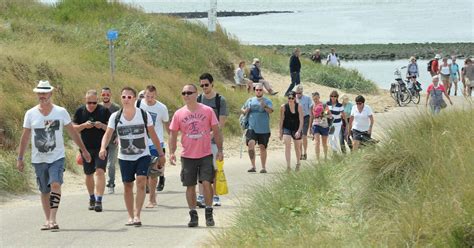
[
  {"x": 416, "y": 188},
  {"x": 336, "y": 77}
]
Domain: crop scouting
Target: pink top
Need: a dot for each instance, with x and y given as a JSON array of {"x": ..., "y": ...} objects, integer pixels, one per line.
[
  {"x": 440, "y": 87},
  {"x": 195, "y": 130},
  {"x": 317, "y": 112}
]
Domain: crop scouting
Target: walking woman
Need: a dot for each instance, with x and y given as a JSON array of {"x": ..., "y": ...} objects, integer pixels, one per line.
[
  {"x": 345, "y": 137},
  {"x": 435, "y": 92},
  {"x": 361, "y": 123},
  {"x": 445, "y": 72},
  {"x": 291, "y": 127},
  {"x": 337, "y": 112},
  {"x": 320, "y": 129}
]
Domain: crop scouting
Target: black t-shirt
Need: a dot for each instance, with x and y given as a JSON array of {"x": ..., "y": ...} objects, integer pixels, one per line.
[{"x": 92, "y": 137}]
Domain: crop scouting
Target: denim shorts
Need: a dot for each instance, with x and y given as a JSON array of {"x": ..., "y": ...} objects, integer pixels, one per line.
[
  {"x": 324, "y": 131},
  {"x": 130, "y": 168},
  {"x": 48, "y": 173},
  {"x": 291, "y": 133}
]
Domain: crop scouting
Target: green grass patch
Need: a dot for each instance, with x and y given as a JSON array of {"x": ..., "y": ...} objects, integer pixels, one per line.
[
  {"x": 12, "y": 180},
  {"x": 336, "y": 77},
  {"x": 416, "y": 188}
]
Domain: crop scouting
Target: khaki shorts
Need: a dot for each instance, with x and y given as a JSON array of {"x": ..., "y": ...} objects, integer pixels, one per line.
[{"x": 467, "y": 81}]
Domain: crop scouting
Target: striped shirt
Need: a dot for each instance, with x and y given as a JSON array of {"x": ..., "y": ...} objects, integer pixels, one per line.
[{"x": 336, "y": 111}]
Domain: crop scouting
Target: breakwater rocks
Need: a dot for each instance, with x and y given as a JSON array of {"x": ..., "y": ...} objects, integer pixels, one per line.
[
  {"x": 194, "y": 15},
  {"x": 383, "y": 51}
]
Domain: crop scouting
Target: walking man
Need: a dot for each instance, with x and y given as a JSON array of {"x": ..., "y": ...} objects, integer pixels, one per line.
[
  {"x": 132, "y": 126},
  {"x": 258, "y": 109},
  {"x": 106, "y": 95},
  {"x": 210, "y": 98},
  {"x": 196, "y": 121},
  {"x": 90, "y": 120},
  {"x": 305, "y": 102},
  {"x": 47, "y": 122},
  {"x": 159, "y": 114},
  {"x": 333, "y": 59},
  {"x": 295, "y": 67}
]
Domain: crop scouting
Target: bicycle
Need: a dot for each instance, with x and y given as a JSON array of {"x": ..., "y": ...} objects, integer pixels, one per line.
[{"x": 399, "y": 90}]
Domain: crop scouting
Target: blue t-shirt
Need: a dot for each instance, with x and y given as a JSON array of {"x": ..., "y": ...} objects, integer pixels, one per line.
[
  {"x": 348, "y": 109},
  {"x": 305, "y": 102},
  {"x": 259, "y": 119}
]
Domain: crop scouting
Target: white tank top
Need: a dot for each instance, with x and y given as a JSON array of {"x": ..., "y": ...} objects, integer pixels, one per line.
[{"x": 444, "y": 70}]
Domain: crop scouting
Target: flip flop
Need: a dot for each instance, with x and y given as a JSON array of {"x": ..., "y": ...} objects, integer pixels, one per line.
[
  {"x": 151, "y": 205},
  {"x": 54, "y": 227},
  {"x": 45, "y": 227},
  {"x": 130, "y": 223},
  {"x": 137, "y": 223}
]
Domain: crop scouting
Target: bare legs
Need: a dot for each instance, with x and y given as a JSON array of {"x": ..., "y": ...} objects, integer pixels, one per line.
[
  {"x": 317, "y": 142},
  {"x": 50, "y": 213},
  {"x": 297, "y": 144},
  {"x": 134, "y": 213}
]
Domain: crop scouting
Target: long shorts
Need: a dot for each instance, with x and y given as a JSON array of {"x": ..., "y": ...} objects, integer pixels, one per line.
[
  {"x": 131, "y": 168},
  {"x": 48, "y": 173},
  {"x": 193, "y": 170},
  {"x": 154, "y": 157},
  {"x": 323, "y": 131},
  {"x": 260, "y": 138},
  {"x": 453, "y": 79},
  {"x": 444, "y": 77},
  {"x": 292, "y": 133},
  {"x": 360, "y": 135},
  {"x": 305, "y": 125},
  {"x": 96, "y": 162}
]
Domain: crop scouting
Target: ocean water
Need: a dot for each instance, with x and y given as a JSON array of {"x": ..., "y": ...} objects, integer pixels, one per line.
[{"x": 337, "y": 21}]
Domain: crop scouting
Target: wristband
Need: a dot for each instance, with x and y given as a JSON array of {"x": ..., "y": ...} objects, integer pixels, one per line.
[{"x": 19, "y": 158}]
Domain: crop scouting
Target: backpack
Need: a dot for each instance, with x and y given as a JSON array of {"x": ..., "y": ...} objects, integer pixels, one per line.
[
  {"x": 144, "y": 116},
  {"x": 218, "y": 103},
  {"x": 429, "y": 65},
  {"x": 244, "y": 121}
]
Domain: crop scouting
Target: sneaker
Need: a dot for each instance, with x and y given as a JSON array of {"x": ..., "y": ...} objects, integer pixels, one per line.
[
  {"x": 91, "y": 204},
  {"x": 98, "y": 206},
  {"x": 161, "y": 184},
  {"x": 263, "y": 171},
  {"x": 274, "y": 93},
  {"x": 110, "y": 190},
  {"x": 209, "y": 218},
  {"x": 194, "y": 222},
  {"x": 200, "y": 201},
  {"x": 217, "y": 201},
  {"x": 252, "y": 170}
]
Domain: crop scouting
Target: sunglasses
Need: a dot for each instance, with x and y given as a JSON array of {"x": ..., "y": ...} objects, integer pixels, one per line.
[
  {"x": 258, "y": 89},
  {"x": 291, "y": 98},
  {"x": 127, "y": 97},
  {"x": 187, "y": 93},
  {"x": 359, "y": 103},
  {"x": 204, "y": 85},
  {"x": 105, "y": 94},
  {"x": 334, "y": 96},
  {"x": 298, "y": 93},
  {"x": 92, "y": 103}
]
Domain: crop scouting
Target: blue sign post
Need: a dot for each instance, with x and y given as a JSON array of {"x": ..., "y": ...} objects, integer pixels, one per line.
[{"x": 112, "y": 35}]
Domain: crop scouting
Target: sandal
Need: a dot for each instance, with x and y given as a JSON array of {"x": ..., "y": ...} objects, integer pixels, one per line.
[
  {"x": 130, "y": 223},
  {"x": 45, "y": 227},
  {"x": 151, "y": 205},
  {"x": 297, "y": 167},
  {"x": 137, "y": 223},
  {"x": 54, "y": 227}
]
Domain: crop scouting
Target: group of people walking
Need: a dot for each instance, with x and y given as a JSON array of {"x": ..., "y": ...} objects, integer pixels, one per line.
[{"x": 135, "y": 135}]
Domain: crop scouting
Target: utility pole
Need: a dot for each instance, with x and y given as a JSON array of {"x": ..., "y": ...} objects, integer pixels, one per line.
[{"x": 212, "y": 16}]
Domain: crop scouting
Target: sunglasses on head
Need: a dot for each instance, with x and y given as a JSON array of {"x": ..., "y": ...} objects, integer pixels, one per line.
[
  {"x": 187, "y": 93},
  {"x": 204, "y": 85},
  {"x": 127, "y": 97},
  {"x": 105, "y": 94},
  {"x": 92, "y": 103}
]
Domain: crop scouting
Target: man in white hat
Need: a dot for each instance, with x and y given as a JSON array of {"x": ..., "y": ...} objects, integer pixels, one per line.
[
  {"x": 47, "y": 121},
  {"x": 256, "y": 77}
]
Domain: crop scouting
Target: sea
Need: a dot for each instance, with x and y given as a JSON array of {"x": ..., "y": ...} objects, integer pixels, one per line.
[{"x": 338, "y": 22}]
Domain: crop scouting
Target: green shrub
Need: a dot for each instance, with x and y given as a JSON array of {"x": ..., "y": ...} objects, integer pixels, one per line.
[{"x": 12, "y": 180}]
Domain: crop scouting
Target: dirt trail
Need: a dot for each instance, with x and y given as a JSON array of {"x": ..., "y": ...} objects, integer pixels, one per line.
[{"x": 165, "y": 225}]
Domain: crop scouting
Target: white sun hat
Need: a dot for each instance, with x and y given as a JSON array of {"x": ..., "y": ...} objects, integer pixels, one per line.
[{"x": 43, "y": 87}]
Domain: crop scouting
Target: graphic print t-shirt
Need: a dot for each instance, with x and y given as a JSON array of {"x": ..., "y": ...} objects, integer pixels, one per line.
[
  {"x": 132, "y": 135},
  {"x": 46, "y": 133},
  {"x": 195, "y": 130},
  {"x": 159, "y": 114}
]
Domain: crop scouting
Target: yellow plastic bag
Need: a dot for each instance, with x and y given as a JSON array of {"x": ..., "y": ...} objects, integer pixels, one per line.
[{"x": 221, "y": 182}]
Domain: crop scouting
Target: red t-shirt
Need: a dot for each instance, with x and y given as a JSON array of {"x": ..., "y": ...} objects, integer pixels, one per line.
[
  {"x": 435, "y": 66},
  {"x": 440, "y": 87}
]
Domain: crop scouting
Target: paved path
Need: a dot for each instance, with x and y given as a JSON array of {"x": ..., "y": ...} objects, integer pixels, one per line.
[{"x": 164, "y": 226}]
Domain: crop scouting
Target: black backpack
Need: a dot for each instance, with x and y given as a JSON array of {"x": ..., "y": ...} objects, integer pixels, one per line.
[
  {"x": 218, "y": 103},
  {"x": 429, "y": 65},
  {"x": 144, "y": 116}
]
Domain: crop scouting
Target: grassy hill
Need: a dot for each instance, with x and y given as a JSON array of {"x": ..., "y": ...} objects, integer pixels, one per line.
[
  {"x": 414, "y": 189},
  {"x": 66, "y": 44}
]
